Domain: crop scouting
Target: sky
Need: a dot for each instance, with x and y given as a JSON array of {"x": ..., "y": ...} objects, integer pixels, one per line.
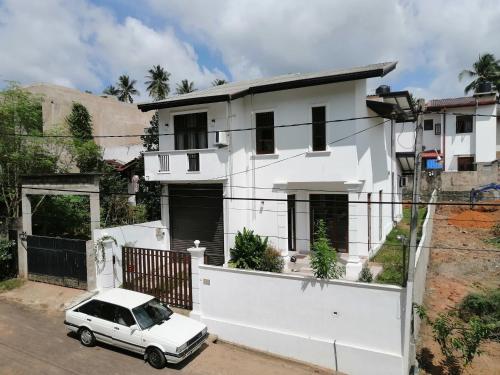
[{"x": 88, "y": 44}]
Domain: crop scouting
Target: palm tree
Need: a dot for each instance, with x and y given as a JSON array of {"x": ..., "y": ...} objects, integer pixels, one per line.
[
  {"x": 126, "y": 88},
  {"x": 184, "y": 87},
  {"x": 218, "y": 82},
  {"x": 157, "y": 84},
  {"x": 111, "y": 90},
  {"x": 485, "y": 69}
]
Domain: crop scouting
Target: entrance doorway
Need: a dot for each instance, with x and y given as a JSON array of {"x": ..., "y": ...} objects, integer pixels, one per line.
[{"x": 333, "y": 209}]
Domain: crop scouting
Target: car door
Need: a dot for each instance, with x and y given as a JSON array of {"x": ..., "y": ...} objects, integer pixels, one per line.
[
  {"x": 123, "y": 335},
  {"x": 102, "y": 322},
  {"x": 90, "y": 314}
]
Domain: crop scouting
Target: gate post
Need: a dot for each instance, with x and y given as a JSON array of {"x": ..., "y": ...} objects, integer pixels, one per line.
[
  {"x": 22, "y": 252},
  {"x": 197, "y": 259}
]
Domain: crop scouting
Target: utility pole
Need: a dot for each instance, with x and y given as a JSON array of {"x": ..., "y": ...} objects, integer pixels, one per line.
[{"x": 409, "y": 340}]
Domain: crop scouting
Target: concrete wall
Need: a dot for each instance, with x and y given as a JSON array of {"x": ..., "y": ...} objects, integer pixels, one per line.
[
  {"x": 422, "y": 259},
  {"x": 109, "y": 116},
  {"x": 150, "y": 235},
  {"x": 352, "y": 327},
  {"x": 353, "y": 165}
]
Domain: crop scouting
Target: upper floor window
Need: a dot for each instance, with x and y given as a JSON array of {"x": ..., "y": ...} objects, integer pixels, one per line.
[
  {"x": 319, "y": 128},
  {"x": 464, "y": 124},
  {"x": 190, "y": 131},
  {"x": 264, "y": 132},
  {"x": 437, "y": 129},
  {"x": 428, "y": 124}
]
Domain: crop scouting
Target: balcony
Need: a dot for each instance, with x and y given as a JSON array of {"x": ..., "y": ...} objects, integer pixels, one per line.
[{"x": 186, "y": 165}]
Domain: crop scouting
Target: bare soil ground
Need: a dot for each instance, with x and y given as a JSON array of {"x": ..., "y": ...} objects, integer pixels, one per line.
[
  {"x": 33, "y": 340},
  {"x": 452, "y": 274}
]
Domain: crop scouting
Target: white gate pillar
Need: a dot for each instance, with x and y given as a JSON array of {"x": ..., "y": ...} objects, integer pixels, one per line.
[{"x": 197, "y": 259}]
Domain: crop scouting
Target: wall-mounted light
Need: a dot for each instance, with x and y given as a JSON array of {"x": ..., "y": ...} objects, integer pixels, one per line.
[
  {"x": 166, "y": 124},
  {"x": 23, "y": 236}
]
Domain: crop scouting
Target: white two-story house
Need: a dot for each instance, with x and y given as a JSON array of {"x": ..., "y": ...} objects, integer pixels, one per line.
[
  {"x": 460, "y": 134},
  {"x": 276, "y": 155}
]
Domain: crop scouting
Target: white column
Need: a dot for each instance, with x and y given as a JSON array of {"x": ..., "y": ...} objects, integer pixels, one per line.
[
  {"x": 22, "y": 254},
  {"x": 197, "y": 259},
  {"x": 95, "y": 211},
  {"x": 356, "y": 225}
]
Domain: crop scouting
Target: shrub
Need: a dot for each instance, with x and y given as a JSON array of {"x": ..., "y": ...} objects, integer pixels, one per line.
[
  {"x": 495, "y": 230},
  {"x": 323, "y": 257},
  {"x": 7, "y": 268},
  {"x": 248, "y": 249},
  {"x": 365, "y": 276},
  {"x": 271, "y": 261},
  {"x": 483, "y": 306}
]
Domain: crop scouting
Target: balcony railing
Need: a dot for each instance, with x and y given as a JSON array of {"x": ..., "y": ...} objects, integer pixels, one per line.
[{"x": 185, "y": 165}]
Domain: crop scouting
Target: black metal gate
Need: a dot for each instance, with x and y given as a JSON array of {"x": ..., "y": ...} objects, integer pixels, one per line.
[{"x": 60, "y": 261}]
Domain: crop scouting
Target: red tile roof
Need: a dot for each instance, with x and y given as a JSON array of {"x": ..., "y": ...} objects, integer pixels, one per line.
[{"x": 467, "y": 101}]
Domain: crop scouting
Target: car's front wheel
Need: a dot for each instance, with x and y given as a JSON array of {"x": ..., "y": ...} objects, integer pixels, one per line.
[
  {"x": 156, "y": 358},
  {"x": 87, "y": 338}
]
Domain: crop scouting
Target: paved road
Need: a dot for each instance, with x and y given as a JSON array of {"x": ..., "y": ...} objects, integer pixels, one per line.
[{"x": 36, "y": 342}]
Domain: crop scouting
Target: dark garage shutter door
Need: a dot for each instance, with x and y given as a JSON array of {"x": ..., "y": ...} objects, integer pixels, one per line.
[{"x": 196, "y": 214}]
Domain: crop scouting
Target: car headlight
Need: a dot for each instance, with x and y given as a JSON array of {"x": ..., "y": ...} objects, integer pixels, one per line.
[{"x": 182, "y": 347}]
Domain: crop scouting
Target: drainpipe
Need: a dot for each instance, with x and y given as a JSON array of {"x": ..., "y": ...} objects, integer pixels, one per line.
[
  {"x": 392, "y": 169},
  {"x": 443, "y": 132},
  {"x": 229, "y": 114}
]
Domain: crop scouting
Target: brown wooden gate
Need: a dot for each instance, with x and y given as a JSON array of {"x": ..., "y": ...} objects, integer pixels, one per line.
[{"x": 163, "y": 274}]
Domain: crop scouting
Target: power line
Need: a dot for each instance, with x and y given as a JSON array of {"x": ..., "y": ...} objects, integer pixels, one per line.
[
  {"x": 299, "y": 154},
  {"x": 208, "y": 132}
]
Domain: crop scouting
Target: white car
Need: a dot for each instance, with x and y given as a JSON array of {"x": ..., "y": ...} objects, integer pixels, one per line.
[{"x": 136, "y": 322}]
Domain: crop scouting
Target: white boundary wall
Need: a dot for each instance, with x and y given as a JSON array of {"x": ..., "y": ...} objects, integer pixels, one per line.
[
  {"x": 150, "y": 235},
  {"x": 353, "y": 327},
  {"x": 422, "y": 259}
]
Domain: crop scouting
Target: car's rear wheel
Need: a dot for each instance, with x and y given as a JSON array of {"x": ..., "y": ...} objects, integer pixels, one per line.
[
  {"x": 156, "y": 358},
  {"x": 87, "y": 338}
]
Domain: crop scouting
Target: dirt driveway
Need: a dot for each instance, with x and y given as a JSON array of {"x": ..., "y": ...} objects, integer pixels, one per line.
[
  {"x": 452, "y": 274},
  {"x": 34, "y": 340}
]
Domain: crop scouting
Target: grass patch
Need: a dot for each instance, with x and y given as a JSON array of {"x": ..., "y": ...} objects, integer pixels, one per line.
[
  {"x": 10, "y": 284},
  {"x": 390, "y": 256},
  {"x": 495, "y": 241}
]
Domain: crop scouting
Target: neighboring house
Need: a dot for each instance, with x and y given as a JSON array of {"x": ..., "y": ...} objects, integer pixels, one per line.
[
  {"x": 109, "y": 117},
  {"x": 463, "y": 132},
  {"x": 245, "y": 154}
]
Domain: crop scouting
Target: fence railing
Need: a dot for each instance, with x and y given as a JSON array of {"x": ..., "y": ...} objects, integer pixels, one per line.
[{"x": 160, "y": 273}]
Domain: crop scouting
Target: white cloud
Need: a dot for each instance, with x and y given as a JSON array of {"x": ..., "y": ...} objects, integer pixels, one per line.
[
  {"x": 76, "y": 43},
  {"x": 269, "y": 37},
  {"x": 81, "y": 45}
]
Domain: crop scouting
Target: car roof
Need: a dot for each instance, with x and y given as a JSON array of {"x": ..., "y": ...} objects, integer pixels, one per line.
[{"x": 123, "y": 297}]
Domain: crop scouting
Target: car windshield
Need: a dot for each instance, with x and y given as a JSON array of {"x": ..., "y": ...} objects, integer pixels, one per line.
[{"x": 151, "y": 313}]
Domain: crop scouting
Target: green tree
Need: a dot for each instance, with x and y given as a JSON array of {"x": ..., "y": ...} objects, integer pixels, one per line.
[
  {"x": 185, "y": 87},
  {"x": 323, "y": 257},
  {"x": 149, "y": 193},
  {"x": 126, "y": 88},
  {"x": 80, "y": 122},
  {"x": 157, "y": 83},
  {"x": 485, "y": 69},
  {"x": 21, "y": 114},
  {"x": 111, "y": 90},
  {"x": 218, "y": 82},
  {"x": 87, "y": 153}
]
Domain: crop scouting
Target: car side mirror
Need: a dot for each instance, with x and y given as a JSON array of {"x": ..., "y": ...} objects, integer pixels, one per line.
[{"x": 133, "y": 328}]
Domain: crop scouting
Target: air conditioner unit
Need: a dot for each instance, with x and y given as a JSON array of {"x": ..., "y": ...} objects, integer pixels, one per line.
[{"x": 220, "y": 138}]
